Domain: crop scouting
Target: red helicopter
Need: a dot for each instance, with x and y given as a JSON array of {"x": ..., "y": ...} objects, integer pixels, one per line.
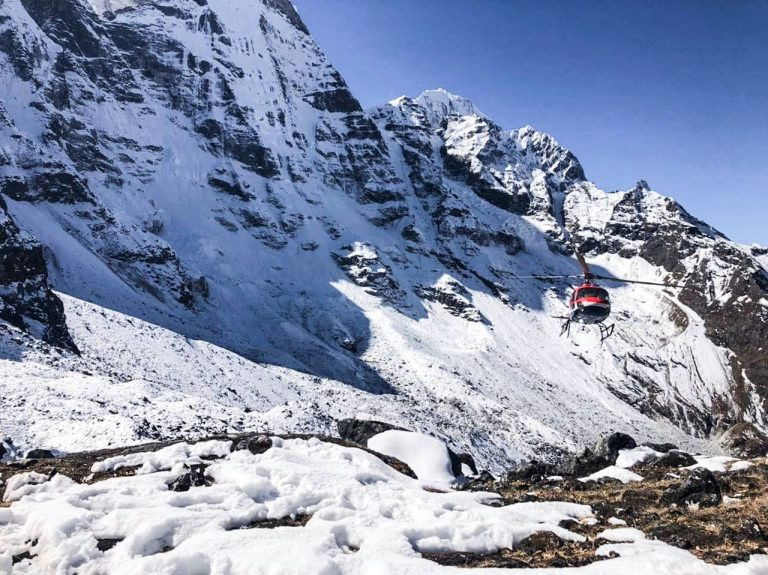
[{"x": 590, "y": 303}]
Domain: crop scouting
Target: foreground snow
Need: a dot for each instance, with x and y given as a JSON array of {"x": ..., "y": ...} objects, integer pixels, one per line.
[{"x": 366, "y": 518}]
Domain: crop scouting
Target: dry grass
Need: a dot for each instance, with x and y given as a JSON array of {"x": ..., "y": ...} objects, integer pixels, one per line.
[
  {"x": 724, "y": 534},
  {"x": 568, "y": 555}
]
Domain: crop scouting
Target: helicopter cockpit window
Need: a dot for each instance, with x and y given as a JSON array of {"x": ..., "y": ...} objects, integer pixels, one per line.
[{"x": 593, "y": 292}]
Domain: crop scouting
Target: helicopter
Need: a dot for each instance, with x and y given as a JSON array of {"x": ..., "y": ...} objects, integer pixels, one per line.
[{"x": 590, "y": 303}]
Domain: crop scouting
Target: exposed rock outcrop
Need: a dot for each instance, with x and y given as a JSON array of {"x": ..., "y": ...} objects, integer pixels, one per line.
[{"x": 26, "y": 299}]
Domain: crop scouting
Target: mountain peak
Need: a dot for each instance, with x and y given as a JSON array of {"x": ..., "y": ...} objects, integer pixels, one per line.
[
  {"x": 643, "y": 186},
  {"x": 103, "y": 6},
  {"x": 440, "y": 103}
]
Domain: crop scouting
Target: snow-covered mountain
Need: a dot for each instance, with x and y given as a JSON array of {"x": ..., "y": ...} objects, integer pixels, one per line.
[{"x": 237, "y": 244}]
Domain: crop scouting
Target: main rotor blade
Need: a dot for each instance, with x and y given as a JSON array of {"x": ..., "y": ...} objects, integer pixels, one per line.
[
  {"x": 546, "y": 277},
  {"x": 621, "y": 280},
  {"x": 583, "y": 263}
]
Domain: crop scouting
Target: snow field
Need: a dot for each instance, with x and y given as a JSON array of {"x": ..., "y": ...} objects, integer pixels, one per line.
[{"x": 356, "y": 502}]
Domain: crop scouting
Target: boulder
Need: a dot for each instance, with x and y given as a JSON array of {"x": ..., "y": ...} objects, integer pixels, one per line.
[
  {"x": 700, "y": 487},
  {"x": 608, "y": 448},
  {"x": 459, "y": 459},
  {"x": 526, "y": 471},
  {"x": 751, "y": 529},
  {"x": 195, "y": 477},
  {"x": 40, "y": 454},
  {"x": 361, "y": 430},
  {"x": 744, "y": 440},
  {"x": 483, "y": 481},
  {"x": 256, "y": 444},
  {"x": 585, "y": 464},
  {"x": 540, "y": 541},
  {"x": 674, "y": 458}
]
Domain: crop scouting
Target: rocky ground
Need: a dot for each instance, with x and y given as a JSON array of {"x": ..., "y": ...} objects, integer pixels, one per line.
[
  {"x": 729, "y": 529},
  {"x": 718, "y": 511}
]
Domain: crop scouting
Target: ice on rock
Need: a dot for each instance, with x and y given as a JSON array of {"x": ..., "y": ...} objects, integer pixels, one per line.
[
  {"x": 426, "y": 456},
  {"x": 630, "y": 457},
  {"x": 613, "y": 472},
  {"x": 622, "y": 535},
  {"x": 166, "y": 458}
]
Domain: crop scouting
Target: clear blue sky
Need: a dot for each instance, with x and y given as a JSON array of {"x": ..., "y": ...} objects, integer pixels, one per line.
[{"x": 673, "y": 92}]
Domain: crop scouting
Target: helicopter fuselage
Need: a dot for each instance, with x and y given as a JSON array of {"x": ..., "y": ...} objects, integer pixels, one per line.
[{"x": 589, "y": 304}]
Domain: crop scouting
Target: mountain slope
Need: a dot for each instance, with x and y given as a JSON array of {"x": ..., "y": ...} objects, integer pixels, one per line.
[{"x": 197, "y": 171}]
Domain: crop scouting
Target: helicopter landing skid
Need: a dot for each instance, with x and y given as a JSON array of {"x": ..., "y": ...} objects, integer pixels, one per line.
[{"x": 606, "y": 331}]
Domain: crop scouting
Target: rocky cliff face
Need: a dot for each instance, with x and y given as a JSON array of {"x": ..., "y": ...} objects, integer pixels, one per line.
[
  {"x": 201, "y": 166},
  {"x": 26, "y": 299}
]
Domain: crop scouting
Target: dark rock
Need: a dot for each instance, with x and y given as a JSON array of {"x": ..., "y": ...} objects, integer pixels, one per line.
[
  {"x": 412, "y": 234},
  {"x": 745, "y": 440},
  {"x": 57, "y": 187},
  {"x": 541, "y": 541},
  {"x": 700, "y": 487},
  {"x": 609, "y": 481},
  {"x": 751, "y": 529},
  {"x": 484, "y": 481},
  {"x": 469, "y": 560},
  {"x": 454, "y": 297},
  {"x": 661, "y": 447},
  {"x": 390, "y": 214},
  {"x": 40, "y": 454},
  {"x": 338, "y": 100},
  {"x": 465, "y": 459},
  {"x": 527, "y": 471},
  {"x": 360, "y": 431},
  {"x": 257, "y": 445},
  {"x": 585, "y": 464},
  {"x": 104, "y": 545},
  {"x": 27, "y": 301},
  {"x": 689, "y": 536},
  {"x": 609, "y": 447},
  {"x": 25, "y": 556},
  {"x": 226, "y": 224},
  {"x": 3, "y": 451},
  {"x": 230, "y": 186},
  {"x": 674, "y": 458},
  {"x": 195, "y": 477}
]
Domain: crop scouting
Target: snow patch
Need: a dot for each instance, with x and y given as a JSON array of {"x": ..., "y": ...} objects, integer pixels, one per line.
[
  {"x": 614, "y": 472},
  {"x": 426, "y": 456}
]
